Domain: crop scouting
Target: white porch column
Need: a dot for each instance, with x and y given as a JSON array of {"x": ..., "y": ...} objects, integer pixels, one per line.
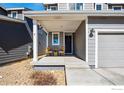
[{"x": 35, "y": 41}]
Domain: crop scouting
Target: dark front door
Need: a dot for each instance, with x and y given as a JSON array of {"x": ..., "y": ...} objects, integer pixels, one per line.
[{"x": 68, "y": 42}]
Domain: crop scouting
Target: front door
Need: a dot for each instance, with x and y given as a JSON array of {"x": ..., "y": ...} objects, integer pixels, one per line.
[{"x": 68, "y": 44}]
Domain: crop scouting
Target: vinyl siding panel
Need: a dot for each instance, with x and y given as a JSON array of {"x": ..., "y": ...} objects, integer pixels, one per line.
[
  {"x": 42, "y": 42},
  {"x": 105, "y": 6},
  {"x": 79, "y": 41},
  {"x": 89, "y": 6},
  {"x": 50, "y": 41},
  {"x": 14, "y": 41},
  {"x": 101, "y": 23},
  {"x": 3, "y": 12},
  {"x": 62, "y": 6}
]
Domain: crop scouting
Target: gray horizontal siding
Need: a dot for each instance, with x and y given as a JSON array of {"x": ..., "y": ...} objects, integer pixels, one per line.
[
  {"x": 101, "y": 23},
  {"x": 14, "y": 54},
  {"x": 50, "y": 41},
  {"x": 79, "y": 36},
  {"x": 91, "y": 49},
  {"x": 3, "y": 12},
  {"x": 14, "y": 41},
  {"x": 88, "y": 6},
  {"x": 42, "y": 35},
  {"x": 62, "y": 6}
]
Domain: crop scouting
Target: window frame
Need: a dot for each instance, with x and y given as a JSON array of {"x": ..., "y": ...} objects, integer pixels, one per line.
[
  {"x": 53, "y": 38},
  {"x": 116, "y": 6},
  {"x": 14, "y": 12},
  {"x": 53, "y": 6},
  {"x": 79, "y": 9},
  {"x": 98, "y": 4}
]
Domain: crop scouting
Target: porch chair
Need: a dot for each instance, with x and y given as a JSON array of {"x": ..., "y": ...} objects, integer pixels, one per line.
[
  {"x": 61, "y": 51},
  {"x": 49, "y": 52}
]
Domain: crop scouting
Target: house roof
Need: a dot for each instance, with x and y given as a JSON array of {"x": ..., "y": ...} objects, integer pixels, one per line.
[
  {"x": 2, "y": 8},
  {"x": 18, "y": 8},
  {"x": 2, "y": 17}
]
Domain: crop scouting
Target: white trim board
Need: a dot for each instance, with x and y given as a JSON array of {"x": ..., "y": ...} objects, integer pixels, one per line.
[
  {"x": 86, "y": 24},
  {"x": 96, "y": 40}
]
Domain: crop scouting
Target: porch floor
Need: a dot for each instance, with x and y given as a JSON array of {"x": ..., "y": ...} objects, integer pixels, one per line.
[{"x": 67, "y": 61}]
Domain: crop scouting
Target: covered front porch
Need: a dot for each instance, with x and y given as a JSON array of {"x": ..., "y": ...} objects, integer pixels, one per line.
[{"x": 66, "y": 30}]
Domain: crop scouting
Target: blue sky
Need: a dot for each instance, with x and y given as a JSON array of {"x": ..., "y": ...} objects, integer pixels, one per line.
[{"x": 33, "y": 6}]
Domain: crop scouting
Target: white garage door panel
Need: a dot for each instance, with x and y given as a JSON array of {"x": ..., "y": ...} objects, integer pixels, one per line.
[{"x": 111, "y": 50}]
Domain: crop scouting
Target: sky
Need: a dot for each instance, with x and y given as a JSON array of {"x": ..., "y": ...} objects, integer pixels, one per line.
[{"x": 33, "y": 6}]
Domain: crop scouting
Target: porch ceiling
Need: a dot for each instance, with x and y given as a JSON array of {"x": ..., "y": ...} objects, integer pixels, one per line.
[
  {"x": 58, "y": 22},
  {"x": 58, "y": 26}
]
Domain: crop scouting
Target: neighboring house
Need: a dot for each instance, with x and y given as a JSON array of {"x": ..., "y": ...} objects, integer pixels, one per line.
[
  {"x": 93, "y": 32},
  {"x": 16, "y": 35}
]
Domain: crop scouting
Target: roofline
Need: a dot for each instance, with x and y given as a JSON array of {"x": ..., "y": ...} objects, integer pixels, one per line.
[
  {"x": 85, "y": 13},
  {"x": 2, "y": 17},
  {"x": 3, "y": 8},
  {"x": 21, "y": 8}
]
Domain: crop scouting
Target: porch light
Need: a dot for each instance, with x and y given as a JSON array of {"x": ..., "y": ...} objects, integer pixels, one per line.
[{"x": 91, "y": 32}]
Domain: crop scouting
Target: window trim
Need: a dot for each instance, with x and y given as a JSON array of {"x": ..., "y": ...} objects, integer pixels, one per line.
[
  {"x": 53, "y": 6},
  {"x": 80, "y": 9},
  {"x": 58, "y": 38},
  {"x": 14, "y": 12},
  {"x": 98, "y": 4},
  {"x": 116, "y": 6}
]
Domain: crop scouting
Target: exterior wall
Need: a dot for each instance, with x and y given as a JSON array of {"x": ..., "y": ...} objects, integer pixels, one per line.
[
  {"x": 89, "y": 6},
  {"x": 62, "y": 6},
  {"x": 47, "y": 7},
  {"x": 110, "y": 6},
  {"x": 105, "y": 6},
  {"x": 80, "y": 42},
  {"x": 101, "y": 23},
  {"x": 42, "y": 36},
  {"x": 20, "y": 14},
  {"x": 50, "y": 41},
  {"x": 30, "y": 23},
  {"x": 86, "y": 6},
  {"x": 3, "y": 12},
  {"x": 14, "y": 41}
]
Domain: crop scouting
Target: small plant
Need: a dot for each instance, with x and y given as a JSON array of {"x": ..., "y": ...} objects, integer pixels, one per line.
[{"x": 41, "y": 78}]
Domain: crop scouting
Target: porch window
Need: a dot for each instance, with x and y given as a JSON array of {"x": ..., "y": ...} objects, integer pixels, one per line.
[{"x": 55, "y": 39}]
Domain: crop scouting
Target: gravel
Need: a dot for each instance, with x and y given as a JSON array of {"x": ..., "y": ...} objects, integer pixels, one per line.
[{"x": 20, "y": 72}]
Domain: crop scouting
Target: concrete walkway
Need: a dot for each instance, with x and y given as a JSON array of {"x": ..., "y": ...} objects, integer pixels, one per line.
[
  {"x": 67, "y": 61},
  {"x": 79, "y": 73}
]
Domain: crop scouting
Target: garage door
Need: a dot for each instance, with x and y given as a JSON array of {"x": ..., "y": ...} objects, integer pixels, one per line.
[{"x": 111, "y": 49}]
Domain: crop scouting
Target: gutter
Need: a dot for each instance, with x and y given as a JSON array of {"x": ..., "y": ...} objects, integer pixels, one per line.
[
  {"x": 84, "y": 12},
  {"x": 2, "y": 17}
]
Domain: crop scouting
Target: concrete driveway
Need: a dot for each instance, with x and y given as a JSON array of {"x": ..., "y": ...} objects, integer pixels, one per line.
[
  {"x": 79, "y": 73},
  {"x": 113, "y": 75},
  {"x": 95, "y": 77}
]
